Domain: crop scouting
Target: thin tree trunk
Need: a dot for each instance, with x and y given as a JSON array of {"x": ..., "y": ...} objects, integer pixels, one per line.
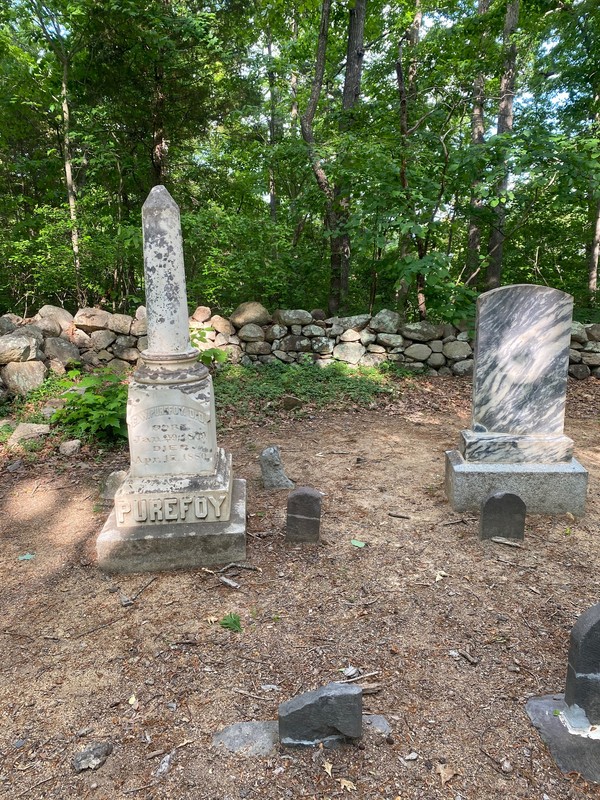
[
  {"x": 505, "y": 125},
  {"x": 159, "y": 142},
  {"x": 594, "y": 249},
  {"x": 274, "y": 130},
  {"x": 70, "y": 182},
  {"x": 477, "y": 139}
]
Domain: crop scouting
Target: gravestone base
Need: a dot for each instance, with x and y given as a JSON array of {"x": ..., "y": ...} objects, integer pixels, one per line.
[
  {"x": 544, "y": 488},
  {"x": 572, "y": 752},
  {"x": 175, "y": 545}
]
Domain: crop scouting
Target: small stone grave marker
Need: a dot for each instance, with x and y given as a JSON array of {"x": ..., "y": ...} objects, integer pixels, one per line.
[
  {"x": 303, "y": 515},
  {"x": 273, "y": 474},
  {"x": 330, "y": 715},
  {"x": 502, "y": 514}
]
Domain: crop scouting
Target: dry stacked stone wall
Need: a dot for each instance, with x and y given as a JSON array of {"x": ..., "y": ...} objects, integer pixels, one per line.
[{"x": 56, "y": 340}]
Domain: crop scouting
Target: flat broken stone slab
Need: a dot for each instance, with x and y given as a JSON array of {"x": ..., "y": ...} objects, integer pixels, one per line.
[
  {"x": 571, "y": 752},
  {"x": 330, "y": 714},
  {"x": 27, "y": 430}
]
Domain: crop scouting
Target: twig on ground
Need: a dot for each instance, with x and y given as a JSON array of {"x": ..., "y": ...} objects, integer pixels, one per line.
[
  {"x": 359, "y": 677},
  {"x": 138, "y": 788},
  {"x": 397, "y": 515},
  {"x": 97, "y": 628},
  {"x": 459, "y": 521},
  {"x": 31, "y": 788},
  {"x": 18, "y": 635},
  {"x": 253, "y": 696},
  {"x": 144, "y": 587},
  {"x": 507, "y": 542},
  {"x": 240, "y": 566},
  {"x": 468, "y": 657}
]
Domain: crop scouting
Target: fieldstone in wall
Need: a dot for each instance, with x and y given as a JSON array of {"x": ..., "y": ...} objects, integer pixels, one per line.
[
  {"x": 202, "y": 314},
  {"x": 322, "y": 345},
  {"x": 350, "y": 336},
  {"x": 79, "y": 338},
  {"x": 422, "y": 331},
  {"x": 119, "y": 366},
  {"x": 102, "y": 339},
  {"x": 120, "y": 323},
  {"x": 372, "y": 360},
  {"x": 436, "y": 345},
  {"x": 105, "y": 356},
  {"x": 126, "y": 353},
  {"x": 258, "y": 348},
  {"x": 579, "y": 371},
  {"x": 390, "y": 339},
  {"x": 578, "y": 332},
  {"x": 375, "y": 348},
  {"x": 251, "y": 332},
  {"x": 357, "y": 322},
  {"x": 592, "y": 331},
  {"x": 574, "y": 356},
  {"x": 220, "y": 340},
  {"x": 48, "y": 325},
  {"x": 6, "y": 325},
  {"x": 290, "y": 317},
  {"x": 436, "y": 360},
  {"x": 92, "y": 319},
  {"x": 590, "y": 358},
  {"x": 301, "y": 344},
  {"x": 17, "y": 348},
  {"x": 418, "y": 352},
  {"x": 281, "y": 355},
  {"x": 350, "y": 352},
  {"x": 312, "y": 330},
  {"x": 367, "y": 337},
  {"x": 462, "y": 368},
  {"x": 221, "y": 325},
  {"x": 61, "y": 350},
  {"x": 385, "y": 322},
  {"x": 23, "y": 377},
  {"x": 90, "y": 357},
  {"x": 250, "y": 312},
  {"x": 234, "y": 353},
  {"x": 142, "y": 343},
  {"x": 63, "y": 317},
  {"x": 457, "y": 351},
  {"x": 31, "y": 331},
  {"x": 139, "y": 327}
]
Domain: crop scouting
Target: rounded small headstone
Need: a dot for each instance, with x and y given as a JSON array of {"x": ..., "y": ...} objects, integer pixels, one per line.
[{"x": 502, "y": 515}]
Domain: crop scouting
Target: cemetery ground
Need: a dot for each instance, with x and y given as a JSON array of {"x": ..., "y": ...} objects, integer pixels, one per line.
[{"x": 450, "y": 635}]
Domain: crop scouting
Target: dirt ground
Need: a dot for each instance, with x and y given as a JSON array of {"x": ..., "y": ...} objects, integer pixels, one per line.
[{"x": 160, "y": 676}]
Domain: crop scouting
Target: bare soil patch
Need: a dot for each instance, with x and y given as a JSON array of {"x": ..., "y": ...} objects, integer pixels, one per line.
[{"x": 159, "y": 676}]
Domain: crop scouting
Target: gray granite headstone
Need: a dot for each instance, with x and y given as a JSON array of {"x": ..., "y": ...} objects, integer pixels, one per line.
[
  {"x": 273, "y": 474},
  {"x": 516, "y": 441},
  {"x": 568, "y": 723},
  {"x": 502, "y": 514},
  {"x": 303, "y": 515},
  {"x": 330, "y": 715}
]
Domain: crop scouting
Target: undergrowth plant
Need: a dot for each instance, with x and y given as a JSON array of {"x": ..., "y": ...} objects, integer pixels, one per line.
[{"x": 95, "y": 408}]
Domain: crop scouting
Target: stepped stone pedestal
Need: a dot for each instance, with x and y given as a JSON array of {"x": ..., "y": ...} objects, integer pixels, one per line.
[
  {"x": 516, "y": 441},
  {"x": 179, "y": 505}
]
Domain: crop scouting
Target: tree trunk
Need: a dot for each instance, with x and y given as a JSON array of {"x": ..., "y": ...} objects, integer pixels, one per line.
[
  {"x": 159, "y": 142},
  {"x": 275, "y": 127},
  {"x": 477, "y": 139},
  {"x": 505, "y": 125},
  {"x": 70, "y": 182},
  {"x": 594, "y": 248}
]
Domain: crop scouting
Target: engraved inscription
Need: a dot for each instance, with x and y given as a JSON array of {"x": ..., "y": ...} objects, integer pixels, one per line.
[
  {"x": 168, "y": 411},
  {"x": 169, "y": 509}
]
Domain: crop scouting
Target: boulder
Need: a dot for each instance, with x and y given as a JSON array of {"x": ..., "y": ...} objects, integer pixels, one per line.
[
  {"x": 126, "y": 353},
  {"x": 234, "y": 353},
  {"x": 141, "y": 313},
  {"x": 418, "y": 352},
  {"x": 457, "y": 351},
  {"x": 48, "y": 325},
  {"x": 312, "y": 330},
  {"x": 6, "y": 325},
  {"x": 372, "y": 359},
  {"x": 357, "y": 322},
  {"x": 322, "y": 345},
  {"x": 90, "y": 357},
  {"x": 578, "y": 371},
  {"x": 31, "y": 331},
  {"x": 462, "y": 368},
  {"x": 293, "y": 317},
  {"x": 221, "y": 325},
  {"x": 139, "y": 327},
  {"x": 318, "y": 314},
  {"x": 250, "y": 313},
  {"x": 120, "y": 323},
  {"x": 251, "y": 332},
  {"x": 385, "y": 321},
  {"x": 350, "y": 336},
  {"x": 350, "y": 352},
  {"x": 367, "y": 338},
  {"x": 63, "y": 317},
  {"x": 422, "y": 331},
  {"x": 258, "y": 348},
  {"x": 70, "y": 448},
  {"x": 61, "y": 350},
  {"x": 27, "y": 430},
  {"x": 202, "y": 314},
  {"x": 80, "y": 339},
  {"x": 102, "y": 339},
  {"x": 299, "y": 344},
  {"x": 276, "y": 331},
  {"x": 23, "y": 377},
  {"x": 17, "y": 348},
  {"x": 578, "y": 332},
  {"x": 592, "y": 331},
  {"x": 92, "y": 319},
  {"x": 436, "y": 360},
  {"x": 390, "y": 339}
]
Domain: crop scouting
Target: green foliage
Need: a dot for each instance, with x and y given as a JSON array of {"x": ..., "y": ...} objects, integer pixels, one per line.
[
  {"x": 5, "y": 433},
  {"x": 231, "y": 622},
  {"x": 209, "y": 356},
  {"x": 95, "y": 408}
]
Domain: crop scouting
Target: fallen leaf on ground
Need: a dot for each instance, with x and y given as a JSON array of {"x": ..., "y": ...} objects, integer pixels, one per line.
[
  {"x": 357, "y": 543},
  {"x": 347, "y": 785},
  {"x": 328, "y": 766},
  {"x": 446, "y": 773},
  {"x": 440, "y": 574}
]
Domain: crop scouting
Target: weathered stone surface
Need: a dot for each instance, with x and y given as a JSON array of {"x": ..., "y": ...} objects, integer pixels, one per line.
[
  {"x": 590, "y": 359},
  {"x": 372, "y": 359},
  {"x": 574, "y": 356},
  {"x": 463, "y": 368},
  {"x": 17, "y": 348},
  {"x": 234, "y": 353},
  {"x": 70, "y": 448},
  {"x": 367, "y": 337},
  {"x": 323, "y": 345},
  {"x": 23, "y": 377},
  {"x": 105, "y": 356},
  {"x": 299, "y": 344},
  {"x": 281, "y": 355},
  {"x": 91, "y": 319},
  {"x": 6, "y": 325},
  {"x": 120, "y": 323},
  {"x": 419, "y": 352},
  {"x": 579, "y": 371},
  {"x": 139, "y": 327},
  {"x": 251, "y": 333},
  {"x": 437, "y": 346},
  {"x": 583, "y": 671},
  {"x": 62, "y": 350},
  {"x": 318, "y": 314},
  {"x": 290, "y": 317},
  {"x": 63, "y": 317},
  {"x": 90, "y": 357},
  {"x": 258, "y": 348},
  {"x": 436, "y": 360},
  {"x": 221, "y": 325},
  {"x": 126, "y": 353},
  {"x": 27, "y": 430},
  {"x": 357, "y": 322},
  {"x": 303, "y": 515},
  {"x": 350, "y": 352},
  {"x": 250, "y": 312},
  {"x": 330, "y": 714},
  {"x": 30, "y": 330},
  {"x": 421, "y": 331},
  {"x": 502, "y": 514},
  {"x": 102, "y": 339},
  {"x": 312, "y": 330},
  {"x": 274, "y": 332},
  {"x": 350, "y": 336},
  {"x": 593, "y": 331},
  {"x": 92, "y": 757},
  {"x": 457, "y": 351},
  {"x": 578, "y": 332},
  {"x": 273, "y": 474},
  {"x": 202, "y": 314},
  {"x": 111, "y": 483},
  {"x": 390, "y": 339},
  {"x": 80, "y": 339},
  {"x": 385, "y": 321},
  {"x": 48, "y": 325}
]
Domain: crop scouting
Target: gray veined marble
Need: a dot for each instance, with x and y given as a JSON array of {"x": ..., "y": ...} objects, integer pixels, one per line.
[
  {"x": 521, "y": 360},
  {"x": 516, "y": 442}
]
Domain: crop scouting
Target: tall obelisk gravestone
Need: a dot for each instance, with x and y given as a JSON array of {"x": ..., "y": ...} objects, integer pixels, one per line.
[
  {"x": 516, "y": 443},
  {"x": 180, "y": 505}
]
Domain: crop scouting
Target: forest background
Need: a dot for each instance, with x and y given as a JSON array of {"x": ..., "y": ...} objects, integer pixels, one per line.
[{"x": 343, "y": 155}]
